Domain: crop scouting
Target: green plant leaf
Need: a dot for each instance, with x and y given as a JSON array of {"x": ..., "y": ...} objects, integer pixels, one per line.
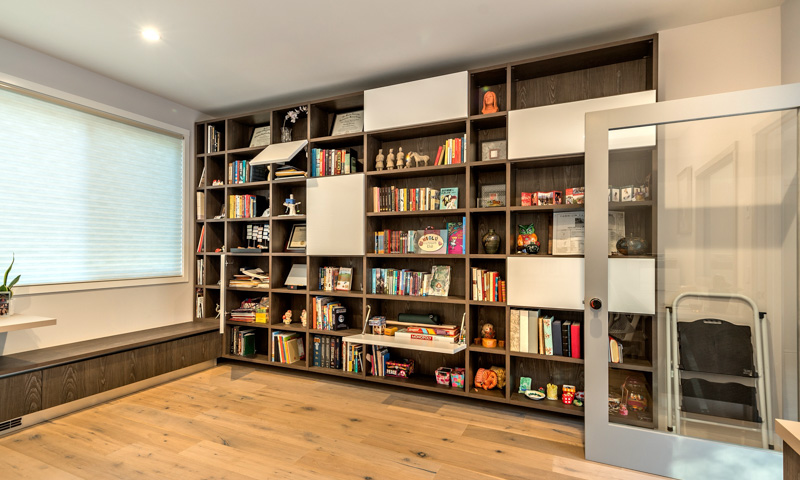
[
  {"x": 13, "y": 282},
  {"x": 5, "y": 278}
]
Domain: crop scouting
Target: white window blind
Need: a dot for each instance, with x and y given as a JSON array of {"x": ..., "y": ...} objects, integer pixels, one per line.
[{"x": 84, "y": 197}]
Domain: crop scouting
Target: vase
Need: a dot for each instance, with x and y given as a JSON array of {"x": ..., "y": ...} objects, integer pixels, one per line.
[
  {"x": 632, "y": 246},
  {"x": 491, "y": 242},
  {"x": 6, "y": 304},
  {"x": 286, "y": 134}
]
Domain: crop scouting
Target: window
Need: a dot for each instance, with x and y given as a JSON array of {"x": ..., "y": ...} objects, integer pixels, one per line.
[{"x": 86, "y": 196}]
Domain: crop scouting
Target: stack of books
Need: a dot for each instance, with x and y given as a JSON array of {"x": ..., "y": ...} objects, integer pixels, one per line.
[
  {"x": 285, "y": 171},
  {"x": 324, "y": 313},
  {"x": 250, "y": 278},
  {"x": 287, "y": 347},
  {"x": 453, "y": 151},
  {"x": 251, "y": 310},
  {"x": 243, "y": 342},
  {"x": 535, "y": 332},
  {"x": 433, "y": 334}
]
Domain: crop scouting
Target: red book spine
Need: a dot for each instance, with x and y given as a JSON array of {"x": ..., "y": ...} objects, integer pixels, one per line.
[{"x": 575, "y": 340}]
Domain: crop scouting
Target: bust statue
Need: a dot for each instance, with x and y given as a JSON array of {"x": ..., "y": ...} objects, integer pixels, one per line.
[{"x": 489, "y": 102}]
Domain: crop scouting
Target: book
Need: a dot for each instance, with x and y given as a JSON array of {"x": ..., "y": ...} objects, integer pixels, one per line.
[
  {"x": 514, "y": 345},
  {"x": 533, "y": 332},
  {"x": 445, "y": 330},
  {"x": 406, "y": 335},
  {"x": 575, "y": 340},
  {"x": 201, "y": 240},
  {"x": 448, "y": 198},
  {"x": 455, "y": 238},
  {"x": 565, "y": 330},
  {"x": 201, "y": 205},
  {"x": 524, "y": 334},
  {"x": 547, "y": 328},
  {"x": 440, "y": 281},
  {"x": 557, "y": 337},
  {"x": 540, "y": 323},
  {"x": 344, "y": 280}
]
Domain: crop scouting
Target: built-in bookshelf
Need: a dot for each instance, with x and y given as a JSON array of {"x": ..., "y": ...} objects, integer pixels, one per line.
[{"x": 490, "y": 196}]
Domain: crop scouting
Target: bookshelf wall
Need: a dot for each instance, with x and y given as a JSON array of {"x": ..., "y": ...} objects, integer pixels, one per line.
[{"x": 614, "y": 69}]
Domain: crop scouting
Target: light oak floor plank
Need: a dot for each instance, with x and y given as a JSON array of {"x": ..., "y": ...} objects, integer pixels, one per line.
[{"x": 236, "y": 421}]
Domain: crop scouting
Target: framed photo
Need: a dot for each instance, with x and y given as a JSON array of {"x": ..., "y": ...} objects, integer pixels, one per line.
[
  {"x": 297, "y": 238},
  {"x": 351, "y": 122},
  {"x": 261, "y": 137},
  {"x": 495, "y": 150}
]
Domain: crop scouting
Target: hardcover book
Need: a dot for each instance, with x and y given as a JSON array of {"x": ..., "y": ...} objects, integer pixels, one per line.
[
  {"x": 448, "y": 198},
  {"x": 440, "y": 281},
  {"x": 455, "y": 238},
  {"x": 515, "y": 330},
  {"x": 345, "y": 279}
]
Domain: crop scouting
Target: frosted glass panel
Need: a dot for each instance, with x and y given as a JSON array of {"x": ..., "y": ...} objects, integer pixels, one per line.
[{"x": 86, "y": 198}]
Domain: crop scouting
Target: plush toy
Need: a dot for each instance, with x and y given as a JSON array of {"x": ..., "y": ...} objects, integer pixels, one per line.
[{"x": 485, "y": 378}]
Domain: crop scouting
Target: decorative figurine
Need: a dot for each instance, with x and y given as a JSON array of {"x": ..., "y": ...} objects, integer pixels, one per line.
[
  {"x": 379, "y": 165},
  {"x": 489, "y": 102},
  {"x": 527, "y": 240},
  {"x": 501, "y": 376},
  {"x": 552, "y": 391},
  {"x": 287, "y": 317},
  {"x": 304, "y": 317},
  {"x": 487, "y": 336},
  {"x": 567, "y": 394},
  {"x": 400, "y": 159},
  {"x": 419, "y": 160},
  {"x": 390, "y": 160},
  {"x": 291, "y": 206},
  {"x": 623, "y": 410},
  {"x": 485, "y": 379}
]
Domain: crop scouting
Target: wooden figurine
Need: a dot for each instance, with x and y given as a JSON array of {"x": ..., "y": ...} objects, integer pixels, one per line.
[
  {"x": 390, "y": 160},
  {"x": 379, "y": 165},
  {"x": 304, "y": 317},
  {"x": 400, "y": 164},
  {"x": 287, "y": 317},
  {"x": 489, "y": 102}
]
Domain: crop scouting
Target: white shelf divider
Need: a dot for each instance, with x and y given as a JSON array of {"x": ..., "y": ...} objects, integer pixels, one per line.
[
  {"x": 422, "y": 345},
  {"x": 23, "y": 322}
]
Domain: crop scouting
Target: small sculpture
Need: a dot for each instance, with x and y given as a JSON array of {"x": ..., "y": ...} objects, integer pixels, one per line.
[
  {"x": 291, "y": 205},
  {"x": 390, "y": 160},
  {"x": 485, "y": 379},
  {"x": 304, "y": 317},
  {"x": 489, "y": 102},
  {"x": 487, "y": 336},
  {"x": 379, "y": 165},
  {"x": 400, "y": 159},
  {"x": 552, "y": 391},
  {"x": 287, "y": 317},
  {"x": 419, "y": 160}
]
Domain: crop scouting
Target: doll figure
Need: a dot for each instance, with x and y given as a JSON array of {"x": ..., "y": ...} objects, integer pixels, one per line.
[
  {"x": 304, "y": 317},
  {"x": 287, "y": 317}
]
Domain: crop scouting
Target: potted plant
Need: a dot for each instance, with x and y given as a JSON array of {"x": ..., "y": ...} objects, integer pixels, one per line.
[{"x": 6, "y": 292}]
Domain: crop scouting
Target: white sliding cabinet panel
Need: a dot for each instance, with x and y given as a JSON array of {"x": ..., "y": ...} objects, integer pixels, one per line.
[
  {"x": 545, "y": 282},
  {"x": 423, "y": 101},
  {"x": 632, "y": 285},
  {"x": 559, "y": 129},
  {"x": 335, "y": 215}
]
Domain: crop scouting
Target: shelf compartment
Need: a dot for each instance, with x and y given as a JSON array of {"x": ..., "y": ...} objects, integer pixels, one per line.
[
  {"x": 411, "y": 298},
  {"x": 543, "y": 371},
  {"x": 425, "y": 140},
  {"x": 323, "y": 114},
  {"x": 394, "y": 342},
  {"x": 490, "y": 128},
  {"x": 488, "y": 80}
]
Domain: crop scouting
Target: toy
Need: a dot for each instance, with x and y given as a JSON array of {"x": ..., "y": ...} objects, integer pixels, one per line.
[
  {"x": 527, "y": 240},
  {"x": 485, "y": 378},
  {"x": 487, "y": 336},
  {"x": 378, "y": 324},
  {"x": 390, "y": 331},
  {"x": 304, "y": 317},
  {"x": 579, "y": 397},
  {"x": 291, "y": 205},
  {"x": 501, "y": 376},
  {"x": 287, "y": 317},
  {"x": 567, "y": 394}
]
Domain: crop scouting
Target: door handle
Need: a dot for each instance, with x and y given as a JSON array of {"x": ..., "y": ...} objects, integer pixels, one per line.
[{"x": 596, "y": 304}]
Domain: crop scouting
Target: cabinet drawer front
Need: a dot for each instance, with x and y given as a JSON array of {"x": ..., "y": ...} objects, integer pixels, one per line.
[
  {"x": 413, "y": 103},
  {"x": 20, "y": 395},
  {"x": 559, "y": 129}
]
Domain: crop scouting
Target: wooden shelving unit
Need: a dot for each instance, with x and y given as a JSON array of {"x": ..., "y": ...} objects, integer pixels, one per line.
[{"x": 620, "y": 68}]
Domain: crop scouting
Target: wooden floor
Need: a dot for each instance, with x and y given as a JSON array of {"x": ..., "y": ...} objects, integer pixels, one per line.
[{"x": 234, "y": 421}]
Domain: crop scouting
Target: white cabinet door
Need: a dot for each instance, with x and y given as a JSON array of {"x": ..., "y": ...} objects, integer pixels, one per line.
[
  {"x": 335, "y": 215},
  {"x": 423, "y": 101}
]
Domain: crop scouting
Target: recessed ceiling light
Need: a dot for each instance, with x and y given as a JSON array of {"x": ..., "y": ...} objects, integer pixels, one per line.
[{"x": 151, "y": 34}]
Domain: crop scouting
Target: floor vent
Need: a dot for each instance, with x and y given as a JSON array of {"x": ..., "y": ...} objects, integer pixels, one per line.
[{"x": 7, "y": 425}]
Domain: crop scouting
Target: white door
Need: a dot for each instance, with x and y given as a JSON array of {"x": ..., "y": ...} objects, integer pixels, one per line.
[{"x": 708, "y": 222}]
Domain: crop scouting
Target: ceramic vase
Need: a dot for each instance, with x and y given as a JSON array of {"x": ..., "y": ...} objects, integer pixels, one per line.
[{"x": 491, "y": 242}]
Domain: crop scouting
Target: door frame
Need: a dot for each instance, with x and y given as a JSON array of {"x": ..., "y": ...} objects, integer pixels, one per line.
[{"x": 652, "y": 451}]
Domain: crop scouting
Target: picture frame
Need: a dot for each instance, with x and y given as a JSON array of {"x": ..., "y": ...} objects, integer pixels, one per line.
[
  {"x": 297, "y": 238},
  {"x": 494, "y": 150},
  {"x": 261, "y": 137},
  {"x": 350, "y": 122}
]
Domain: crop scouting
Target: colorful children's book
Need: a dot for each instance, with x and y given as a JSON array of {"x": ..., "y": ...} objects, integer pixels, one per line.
[
  {"x": 344, "y": 280},
  {"x": 440, "y": 280},
  {"x": 448, "y": 198},
  {"x": 455, "y": 238}
]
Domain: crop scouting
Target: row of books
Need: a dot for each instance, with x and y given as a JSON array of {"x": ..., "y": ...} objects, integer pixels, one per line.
[
  {"x": 240, "y": 171},
  {"x": 243, "y": 342},
  {"x": 246, "y": 206},
  {"x": 214, "y": 139},
  {"x": 335, "y": 278},
  {"x": 394, "y": 199},
  {"x": 487, "y": 286},
  {"x": 333, "y": 352},
  {"x": 389, "y": 281},
  {"x": 287, "y": 347},
  {"x": 449, "y": 241},
  {"x": 453, "y": 151},
  {"x": 382, "y": 366},
  {"x": 327, "y": 162},
  {"x": 614, "y": 350},
  {"x": 535, "y": 332},
  {"x": 327, "y": 313},
  {"x": 199, "y": 303},
  {"x": 252, "y": 310}
]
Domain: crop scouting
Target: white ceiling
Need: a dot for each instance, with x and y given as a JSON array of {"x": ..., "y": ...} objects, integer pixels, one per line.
[{"x": 223, "y": 56}]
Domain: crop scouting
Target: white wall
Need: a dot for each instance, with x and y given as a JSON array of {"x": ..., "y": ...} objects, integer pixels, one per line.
[
  {"x": 790, "y": 41},
  {"x": 732, "y": 53},
  {"x": 97, "y": 313}
]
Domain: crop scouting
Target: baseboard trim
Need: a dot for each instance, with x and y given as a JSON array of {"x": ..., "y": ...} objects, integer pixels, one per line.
[{"x": 67, "y": 408}]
